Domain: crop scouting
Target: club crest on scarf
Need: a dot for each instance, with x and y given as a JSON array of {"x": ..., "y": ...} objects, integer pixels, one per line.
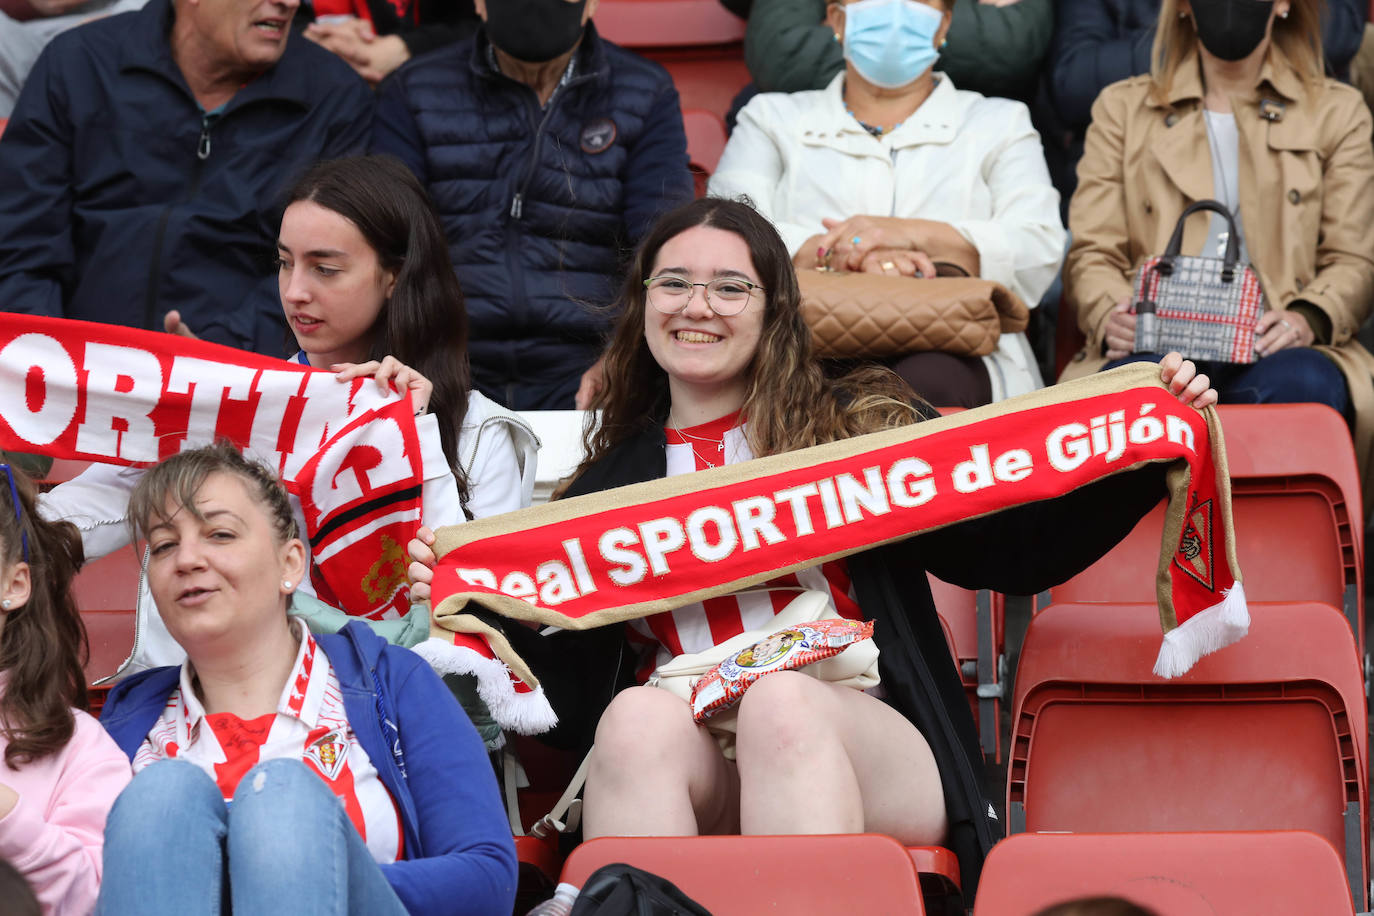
[
  {"x": 90, "y": 392},
  {"x": 1194, "y": 554}
]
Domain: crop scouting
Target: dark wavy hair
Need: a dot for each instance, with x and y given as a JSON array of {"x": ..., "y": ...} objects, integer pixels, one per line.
[
  {"x": 790, "y": 403},
  {"x": 43, "y": 646},
  {"x": 425, "y": 323}
]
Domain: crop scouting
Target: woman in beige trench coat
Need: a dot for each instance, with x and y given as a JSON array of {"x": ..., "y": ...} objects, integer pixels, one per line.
[{"x": 1301, "y": 181}]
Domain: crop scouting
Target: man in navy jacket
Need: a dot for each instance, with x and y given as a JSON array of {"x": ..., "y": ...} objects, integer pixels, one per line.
[
  {"x": 142, "y": 169},
  {"x": 549, "y": 152}
]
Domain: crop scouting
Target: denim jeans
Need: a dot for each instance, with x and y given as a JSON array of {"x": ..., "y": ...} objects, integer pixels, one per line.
[
  {"x": 285, "y": 845},
  {"x": 1298, "y": 375}
]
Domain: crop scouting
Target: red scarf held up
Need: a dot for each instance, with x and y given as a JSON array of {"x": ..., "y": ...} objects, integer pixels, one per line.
[
  {"x": 652, "y": 547},
  {"x": 94, "y": 392}
]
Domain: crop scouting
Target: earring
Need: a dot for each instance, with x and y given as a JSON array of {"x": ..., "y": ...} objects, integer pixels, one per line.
[
  {"x": 835, "y": 35},
  {"x": 1283, "y": 15},
  {"x": 5, "y": 604},
  {"x": 944, "y": 44},
  {"x": 286, "y": 584}
]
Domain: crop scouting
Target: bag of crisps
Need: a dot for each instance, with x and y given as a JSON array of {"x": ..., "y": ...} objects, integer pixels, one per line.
[{"x": 793, "y": 647}]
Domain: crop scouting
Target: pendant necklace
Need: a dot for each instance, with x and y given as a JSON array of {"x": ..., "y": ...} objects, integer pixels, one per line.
[{"x": 718, "y": 443}]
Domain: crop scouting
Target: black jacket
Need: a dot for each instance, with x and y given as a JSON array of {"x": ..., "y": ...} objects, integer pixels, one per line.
[
  {"x": 121, "y": 199},
  {"x": 541, "y": 207},
  {"x": 1020, "y": 551}
]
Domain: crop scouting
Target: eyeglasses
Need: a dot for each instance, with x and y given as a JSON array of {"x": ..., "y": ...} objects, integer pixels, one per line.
[
  {"x": 725, "y": 296},
  {"x": 18, "y": 516}
]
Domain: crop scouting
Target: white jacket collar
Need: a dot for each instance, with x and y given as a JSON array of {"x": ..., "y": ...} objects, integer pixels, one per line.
[{"x": 937, "y": 121}]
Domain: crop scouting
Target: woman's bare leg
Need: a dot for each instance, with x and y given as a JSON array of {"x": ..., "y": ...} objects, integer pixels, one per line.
[
  {"x": 654, "y": 772},
  {"x": 817, "y": 758}
]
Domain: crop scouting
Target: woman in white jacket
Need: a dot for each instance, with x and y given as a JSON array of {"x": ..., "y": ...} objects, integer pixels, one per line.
[
  {"x": 890, "y": 169},
  {"x": 368, "y": 290}
]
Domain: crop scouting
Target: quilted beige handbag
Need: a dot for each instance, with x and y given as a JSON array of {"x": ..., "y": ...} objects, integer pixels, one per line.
[{"x": 877, "y": 315}]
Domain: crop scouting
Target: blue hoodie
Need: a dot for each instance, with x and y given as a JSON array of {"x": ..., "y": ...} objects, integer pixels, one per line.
[{"x": 460, "y": 858}]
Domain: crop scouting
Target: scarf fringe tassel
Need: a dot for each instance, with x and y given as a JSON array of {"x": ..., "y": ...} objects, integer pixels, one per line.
[
  {"x": 1204, "y": 633},
  {"x": 525, "y": 712}
]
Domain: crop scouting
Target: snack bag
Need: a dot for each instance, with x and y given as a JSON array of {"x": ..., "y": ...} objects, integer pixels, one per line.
[{"x": 793, "y": 647}]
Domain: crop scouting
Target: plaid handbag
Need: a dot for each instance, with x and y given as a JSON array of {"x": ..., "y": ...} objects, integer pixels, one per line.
[{"x": 1205, "y": 308}]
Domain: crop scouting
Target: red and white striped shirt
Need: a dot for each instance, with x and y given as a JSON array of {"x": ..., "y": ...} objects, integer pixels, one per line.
[
  {"x": 697, "y": 627},
  {"x": 310, "y": 724}
]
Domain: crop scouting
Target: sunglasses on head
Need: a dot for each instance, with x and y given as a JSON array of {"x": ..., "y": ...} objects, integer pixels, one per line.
[{"x": 18, "y": 512}]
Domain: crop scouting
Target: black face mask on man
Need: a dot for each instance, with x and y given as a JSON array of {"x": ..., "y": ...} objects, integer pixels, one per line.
[
  {"x": 534, "y": 31},
  {"x": 1231, "y": 29}
]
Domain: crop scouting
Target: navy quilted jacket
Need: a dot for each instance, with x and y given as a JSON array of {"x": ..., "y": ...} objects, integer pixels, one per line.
[
  {"x": 541, "y": 207},
  {"x": 121, "y": 199}
]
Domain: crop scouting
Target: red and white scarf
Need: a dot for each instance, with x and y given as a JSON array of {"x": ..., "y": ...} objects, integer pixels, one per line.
[
  {"x": 645, "y": 549},
  {"x": 95, "y": 392}
]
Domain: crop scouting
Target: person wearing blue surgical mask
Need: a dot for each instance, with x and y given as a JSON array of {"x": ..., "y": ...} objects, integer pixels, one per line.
[{"x": 892, "y": 169}]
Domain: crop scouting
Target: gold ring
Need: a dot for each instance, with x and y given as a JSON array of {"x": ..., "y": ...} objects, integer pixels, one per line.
[{"x": 888, "y": 265}]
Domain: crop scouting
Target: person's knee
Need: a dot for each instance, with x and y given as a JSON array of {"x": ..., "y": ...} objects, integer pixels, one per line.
[
  {"x": 643, "y": 726},
  {"x": 166, "y": 789},
  {"x": 782, "y": 714},
  {"x": 278, "y": 805},
  {"x": 275, "y": 786}
]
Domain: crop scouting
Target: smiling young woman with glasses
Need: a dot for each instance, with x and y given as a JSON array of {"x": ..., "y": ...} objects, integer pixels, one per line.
[{"x": 698, "y": 381}]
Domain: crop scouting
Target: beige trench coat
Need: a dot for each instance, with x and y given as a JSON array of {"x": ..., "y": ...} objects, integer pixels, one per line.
[{"x": 1306, "y": 187}]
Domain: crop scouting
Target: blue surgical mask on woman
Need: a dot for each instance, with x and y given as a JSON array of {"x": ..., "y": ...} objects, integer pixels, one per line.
[{"x": 890, "y": 42}]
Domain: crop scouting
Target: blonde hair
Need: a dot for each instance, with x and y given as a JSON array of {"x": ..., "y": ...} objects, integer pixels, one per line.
[{"x": 1295, "y": 43}]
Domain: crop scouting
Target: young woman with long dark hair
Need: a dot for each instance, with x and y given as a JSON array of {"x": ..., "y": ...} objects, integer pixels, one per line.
[
  {"x": 60, "y": 772},
  {"x": 368, "y": 290}
]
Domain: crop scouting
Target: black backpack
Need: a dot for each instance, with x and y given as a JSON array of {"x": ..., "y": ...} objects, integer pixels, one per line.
[{"x": 623, "y": 890}]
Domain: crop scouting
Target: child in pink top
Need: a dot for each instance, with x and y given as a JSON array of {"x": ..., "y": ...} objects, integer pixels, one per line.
[{"x": 59, "y": 771}]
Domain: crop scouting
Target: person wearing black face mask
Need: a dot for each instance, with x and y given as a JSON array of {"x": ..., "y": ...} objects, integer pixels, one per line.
[
  {"x": 548, "y": 152},
  {"x": 1237, "y": 109}
]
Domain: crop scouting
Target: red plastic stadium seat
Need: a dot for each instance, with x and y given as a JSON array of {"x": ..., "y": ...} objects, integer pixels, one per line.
[
  {"x": 938, "y": 869},
  {"x": 698, "y": 41},
  {"x": 859, "y": 873},
  {"x": 1261, "y": 873},
  {"x": 974, "y": 624},
  {"x": 1267, "y": 734},
  {"x": 1297, "y": 511},
  {"x": 106, "y": 592},
  {"x": 667, "y": 23},
  {"x": 705, "y": 138}
]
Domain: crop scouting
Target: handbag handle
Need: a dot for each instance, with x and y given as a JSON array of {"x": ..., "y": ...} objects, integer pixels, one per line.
[{"x": 1175, "y": 246}]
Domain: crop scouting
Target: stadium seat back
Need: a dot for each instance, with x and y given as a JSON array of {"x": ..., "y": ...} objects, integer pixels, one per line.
[
  {"x": 1270, "y": 873},
  {"x": 1296, "y": 504},
  {"x": 860, "y": 873},
  {"x": 974, "y": 624},
  {"x": 1266, "y": 734},
  {"x": 106, "y": 592},
  {"x": 667, "y": 23},
  {"x": 705, "y": 138}
]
